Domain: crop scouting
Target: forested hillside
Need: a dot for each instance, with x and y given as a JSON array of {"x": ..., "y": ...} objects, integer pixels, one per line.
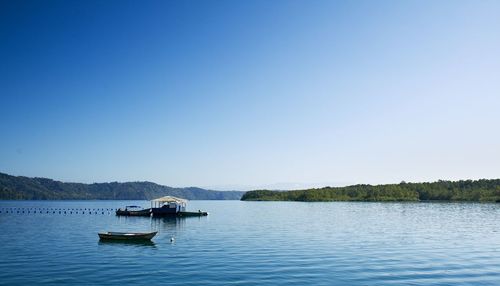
[
  {"x": 467, "y": 190},
  {"x": 24, "y": 188}
]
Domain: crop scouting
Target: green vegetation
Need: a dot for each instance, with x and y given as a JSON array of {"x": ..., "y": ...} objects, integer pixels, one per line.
[
  {"x": 24, "y": 188},
  {"x": 476, "y": 191}
]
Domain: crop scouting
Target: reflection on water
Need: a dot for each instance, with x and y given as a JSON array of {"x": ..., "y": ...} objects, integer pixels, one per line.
[
  {"x": 168, "y": 227},
  {"x": 127, "y": 242},
  {"x": 159, "y": 224},
  {"x": 168, "y": 224}
]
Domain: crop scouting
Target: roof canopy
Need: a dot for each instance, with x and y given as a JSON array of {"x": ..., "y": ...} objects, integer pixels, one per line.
[{"x": 170, "y": 199}]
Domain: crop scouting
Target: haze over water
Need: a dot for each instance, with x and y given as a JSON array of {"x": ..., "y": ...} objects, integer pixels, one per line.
[{"x": 257, "y": 243}]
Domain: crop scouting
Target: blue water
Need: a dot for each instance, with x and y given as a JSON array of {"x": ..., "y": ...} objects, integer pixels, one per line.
[{"x": 255, "y": 243}]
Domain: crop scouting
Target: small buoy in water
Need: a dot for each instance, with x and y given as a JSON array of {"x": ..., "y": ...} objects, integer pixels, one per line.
[{"x": 172, "y": 239}]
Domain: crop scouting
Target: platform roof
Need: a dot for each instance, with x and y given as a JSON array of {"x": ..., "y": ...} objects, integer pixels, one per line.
[{"x": 169, "y": 199}]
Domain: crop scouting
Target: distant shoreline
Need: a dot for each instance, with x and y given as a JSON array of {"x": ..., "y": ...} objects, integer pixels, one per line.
[
  {"x": 445, "y": 191},
  {"x": 17, "y": 188}
]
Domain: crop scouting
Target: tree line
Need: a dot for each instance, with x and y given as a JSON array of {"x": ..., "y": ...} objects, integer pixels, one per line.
[{"x": 465, "y": 190}]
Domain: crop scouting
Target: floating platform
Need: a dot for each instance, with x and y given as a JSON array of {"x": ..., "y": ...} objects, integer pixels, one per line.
[
  {"x": 167, "y": 206},
  {"x": 158, "y": 212}
]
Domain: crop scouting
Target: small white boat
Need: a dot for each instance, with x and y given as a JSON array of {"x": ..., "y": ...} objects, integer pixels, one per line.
[{"x": 127, "y": 235}]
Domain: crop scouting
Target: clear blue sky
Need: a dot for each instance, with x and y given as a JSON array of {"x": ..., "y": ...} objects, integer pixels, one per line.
[{"x": 247, "y": 94}]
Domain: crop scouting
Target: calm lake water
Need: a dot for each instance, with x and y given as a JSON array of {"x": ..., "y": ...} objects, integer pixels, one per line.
[{"x": 256, "y": 243}]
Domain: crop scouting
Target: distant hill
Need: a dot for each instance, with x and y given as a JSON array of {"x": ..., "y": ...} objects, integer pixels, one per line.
[
  {"x": 465, "y": 190},
  {"x": 24, "y": 188}
]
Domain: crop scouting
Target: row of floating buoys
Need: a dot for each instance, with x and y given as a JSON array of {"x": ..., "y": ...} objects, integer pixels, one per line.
[
  {"x": 49, "y": 212},
  {"x": 58, "y": 210},
  {"x": 35, "y": 208},
  {"x": 61, "y": 209}
]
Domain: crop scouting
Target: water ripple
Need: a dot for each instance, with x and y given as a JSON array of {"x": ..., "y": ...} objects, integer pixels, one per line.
[{"x": 255, "y": 243}]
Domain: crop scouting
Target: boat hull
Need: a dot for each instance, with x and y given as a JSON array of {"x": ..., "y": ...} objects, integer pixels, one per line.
[
  {"x": 164, "y": 212},
  {"x": 159, "y": 212},
  {"x": 127, "y": 235},
  {"x": 144, "y": 212},
  {"x": 185, "y": 214}
]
